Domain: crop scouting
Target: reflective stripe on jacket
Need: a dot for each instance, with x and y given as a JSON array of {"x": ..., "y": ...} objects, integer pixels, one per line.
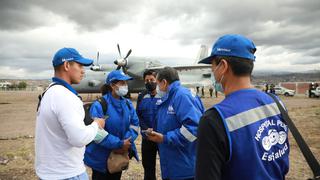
[
  {"x": 258, "y": 136},
  {"x": 178, "y": 117}
]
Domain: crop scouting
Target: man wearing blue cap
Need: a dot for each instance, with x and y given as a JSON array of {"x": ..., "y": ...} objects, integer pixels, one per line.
[
  {"x": 244, "y": 136},
  {"x": 61, "y": 134},
  {"x": 122, "y": 125}
]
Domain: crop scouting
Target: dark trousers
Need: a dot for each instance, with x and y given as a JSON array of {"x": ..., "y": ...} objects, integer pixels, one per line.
[
  {"x": 149, "y": 154},
  {"x": 96, "y": 175}
]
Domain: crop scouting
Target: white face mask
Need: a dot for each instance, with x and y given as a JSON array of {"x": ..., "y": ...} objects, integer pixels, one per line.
[
  {"x": 159, "y": 92},
  {"x": 122, "y": 90}
]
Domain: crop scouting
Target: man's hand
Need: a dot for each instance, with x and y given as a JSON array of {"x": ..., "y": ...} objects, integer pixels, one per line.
[
  {"x": 101, "y": 122},
  {"x": 155, "y": 137},
  {"x": 147, "y": 131}
]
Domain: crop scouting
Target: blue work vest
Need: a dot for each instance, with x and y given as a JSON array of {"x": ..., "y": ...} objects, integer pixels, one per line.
[{"x": 258, "y": 136}]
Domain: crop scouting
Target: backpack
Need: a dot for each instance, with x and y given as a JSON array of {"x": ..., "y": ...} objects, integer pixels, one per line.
[
  {"x": 87, "y": 117},
  {"x": 140, "y": 97}
]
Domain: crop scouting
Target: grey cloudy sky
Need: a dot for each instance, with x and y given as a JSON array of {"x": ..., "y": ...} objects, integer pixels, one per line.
[{"x": 286, "y": 32}]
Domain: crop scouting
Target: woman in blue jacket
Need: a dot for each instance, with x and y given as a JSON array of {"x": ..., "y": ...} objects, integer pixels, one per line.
[{"x": 121, "y": 127}]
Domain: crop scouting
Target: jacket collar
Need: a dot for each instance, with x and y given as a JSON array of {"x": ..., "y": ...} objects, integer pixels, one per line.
[
  {"x": 116, "y": 102},
  {"x": 173, "y": 86},
  {"x": 171, "y": 89}
]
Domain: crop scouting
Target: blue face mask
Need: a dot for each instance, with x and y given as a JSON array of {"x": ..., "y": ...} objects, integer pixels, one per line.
[
  {"x": 159, "y": 92},
  {"x": 217, "y": 85}
]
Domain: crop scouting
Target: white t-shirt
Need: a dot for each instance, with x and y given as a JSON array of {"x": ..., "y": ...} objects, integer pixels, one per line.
[{"x": 61, "y": 135}]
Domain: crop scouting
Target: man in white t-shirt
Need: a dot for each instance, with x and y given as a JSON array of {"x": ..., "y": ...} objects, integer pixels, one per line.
[{"x": 61, "y": 134}]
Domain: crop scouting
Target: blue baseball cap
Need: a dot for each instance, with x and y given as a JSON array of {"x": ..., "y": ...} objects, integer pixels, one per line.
[
  {"x": 117, "y": 75},
  {"x": 232, "y": 45},
  {"x": 69, "y": 54}
]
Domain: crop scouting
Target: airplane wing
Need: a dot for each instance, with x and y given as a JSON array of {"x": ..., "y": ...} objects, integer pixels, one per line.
[
  {"x": 192, "y": 84},
  {"x": 190, "y": 75},
  {"x": 188, "y": 67}
]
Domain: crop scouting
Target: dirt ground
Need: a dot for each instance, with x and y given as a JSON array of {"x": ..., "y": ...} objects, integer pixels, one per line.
[{"x": 17, "y": 123}]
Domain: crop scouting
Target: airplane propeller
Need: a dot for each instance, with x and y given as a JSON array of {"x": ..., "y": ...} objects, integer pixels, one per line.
[
  {"x": 122, "y": 62},
  {"x": 96, "y": 67},
  {"x": 128, "y": 54},
  {"x": 119, "y": 50}
]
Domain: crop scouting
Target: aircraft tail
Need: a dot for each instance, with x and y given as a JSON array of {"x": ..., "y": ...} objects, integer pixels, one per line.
[{"x": 202, "y": 53}]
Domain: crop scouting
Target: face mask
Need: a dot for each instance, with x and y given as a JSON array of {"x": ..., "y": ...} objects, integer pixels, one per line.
[
  {"x": 217, "y": 85},
  {"x": 122, "y": 90},
  {"x": 150, "y": 86},
  {"x": 160, "y": 93}
]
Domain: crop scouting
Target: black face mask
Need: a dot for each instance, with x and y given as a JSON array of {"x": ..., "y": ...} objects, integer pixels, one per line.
[{"x": 150, "y": 86}]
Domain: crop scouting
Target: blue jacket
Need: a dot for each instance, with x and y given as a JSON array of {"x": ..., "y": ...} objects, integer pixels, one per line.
[
  {"x": 122, "y": 123},
  {"x": 147, "y": 110},
  {"x": 257, "y": 135},
  {"x": 178, "y": 117}
]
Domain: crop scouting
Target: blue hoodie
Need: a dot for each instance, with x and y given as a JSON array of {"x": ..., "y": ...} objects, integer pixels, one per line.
[
  {"x": 122, "y": 122},
  {"x": 178, "y": 117}
]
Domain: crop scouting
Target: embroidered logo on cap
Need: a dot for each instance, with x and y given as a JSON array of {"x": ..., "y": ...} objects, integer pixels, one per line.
[
  {"x": 224, "y": 49},
  {"x": 67, "y": 59}
]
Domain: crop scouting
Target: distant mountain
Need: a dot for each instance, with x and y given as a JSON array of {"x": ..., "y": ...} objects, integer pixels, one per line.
[
  {"x": 277, "y": 72},
  {"x": 260, "y": 77}
]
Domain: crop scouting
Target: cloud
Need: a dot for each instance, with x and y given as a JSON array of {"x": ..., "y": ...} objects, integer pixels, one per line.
[
  {"x": 92, "y": 15},
  {"x": 286, "y": 32},
  {"x": 19, "y": 15}
]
